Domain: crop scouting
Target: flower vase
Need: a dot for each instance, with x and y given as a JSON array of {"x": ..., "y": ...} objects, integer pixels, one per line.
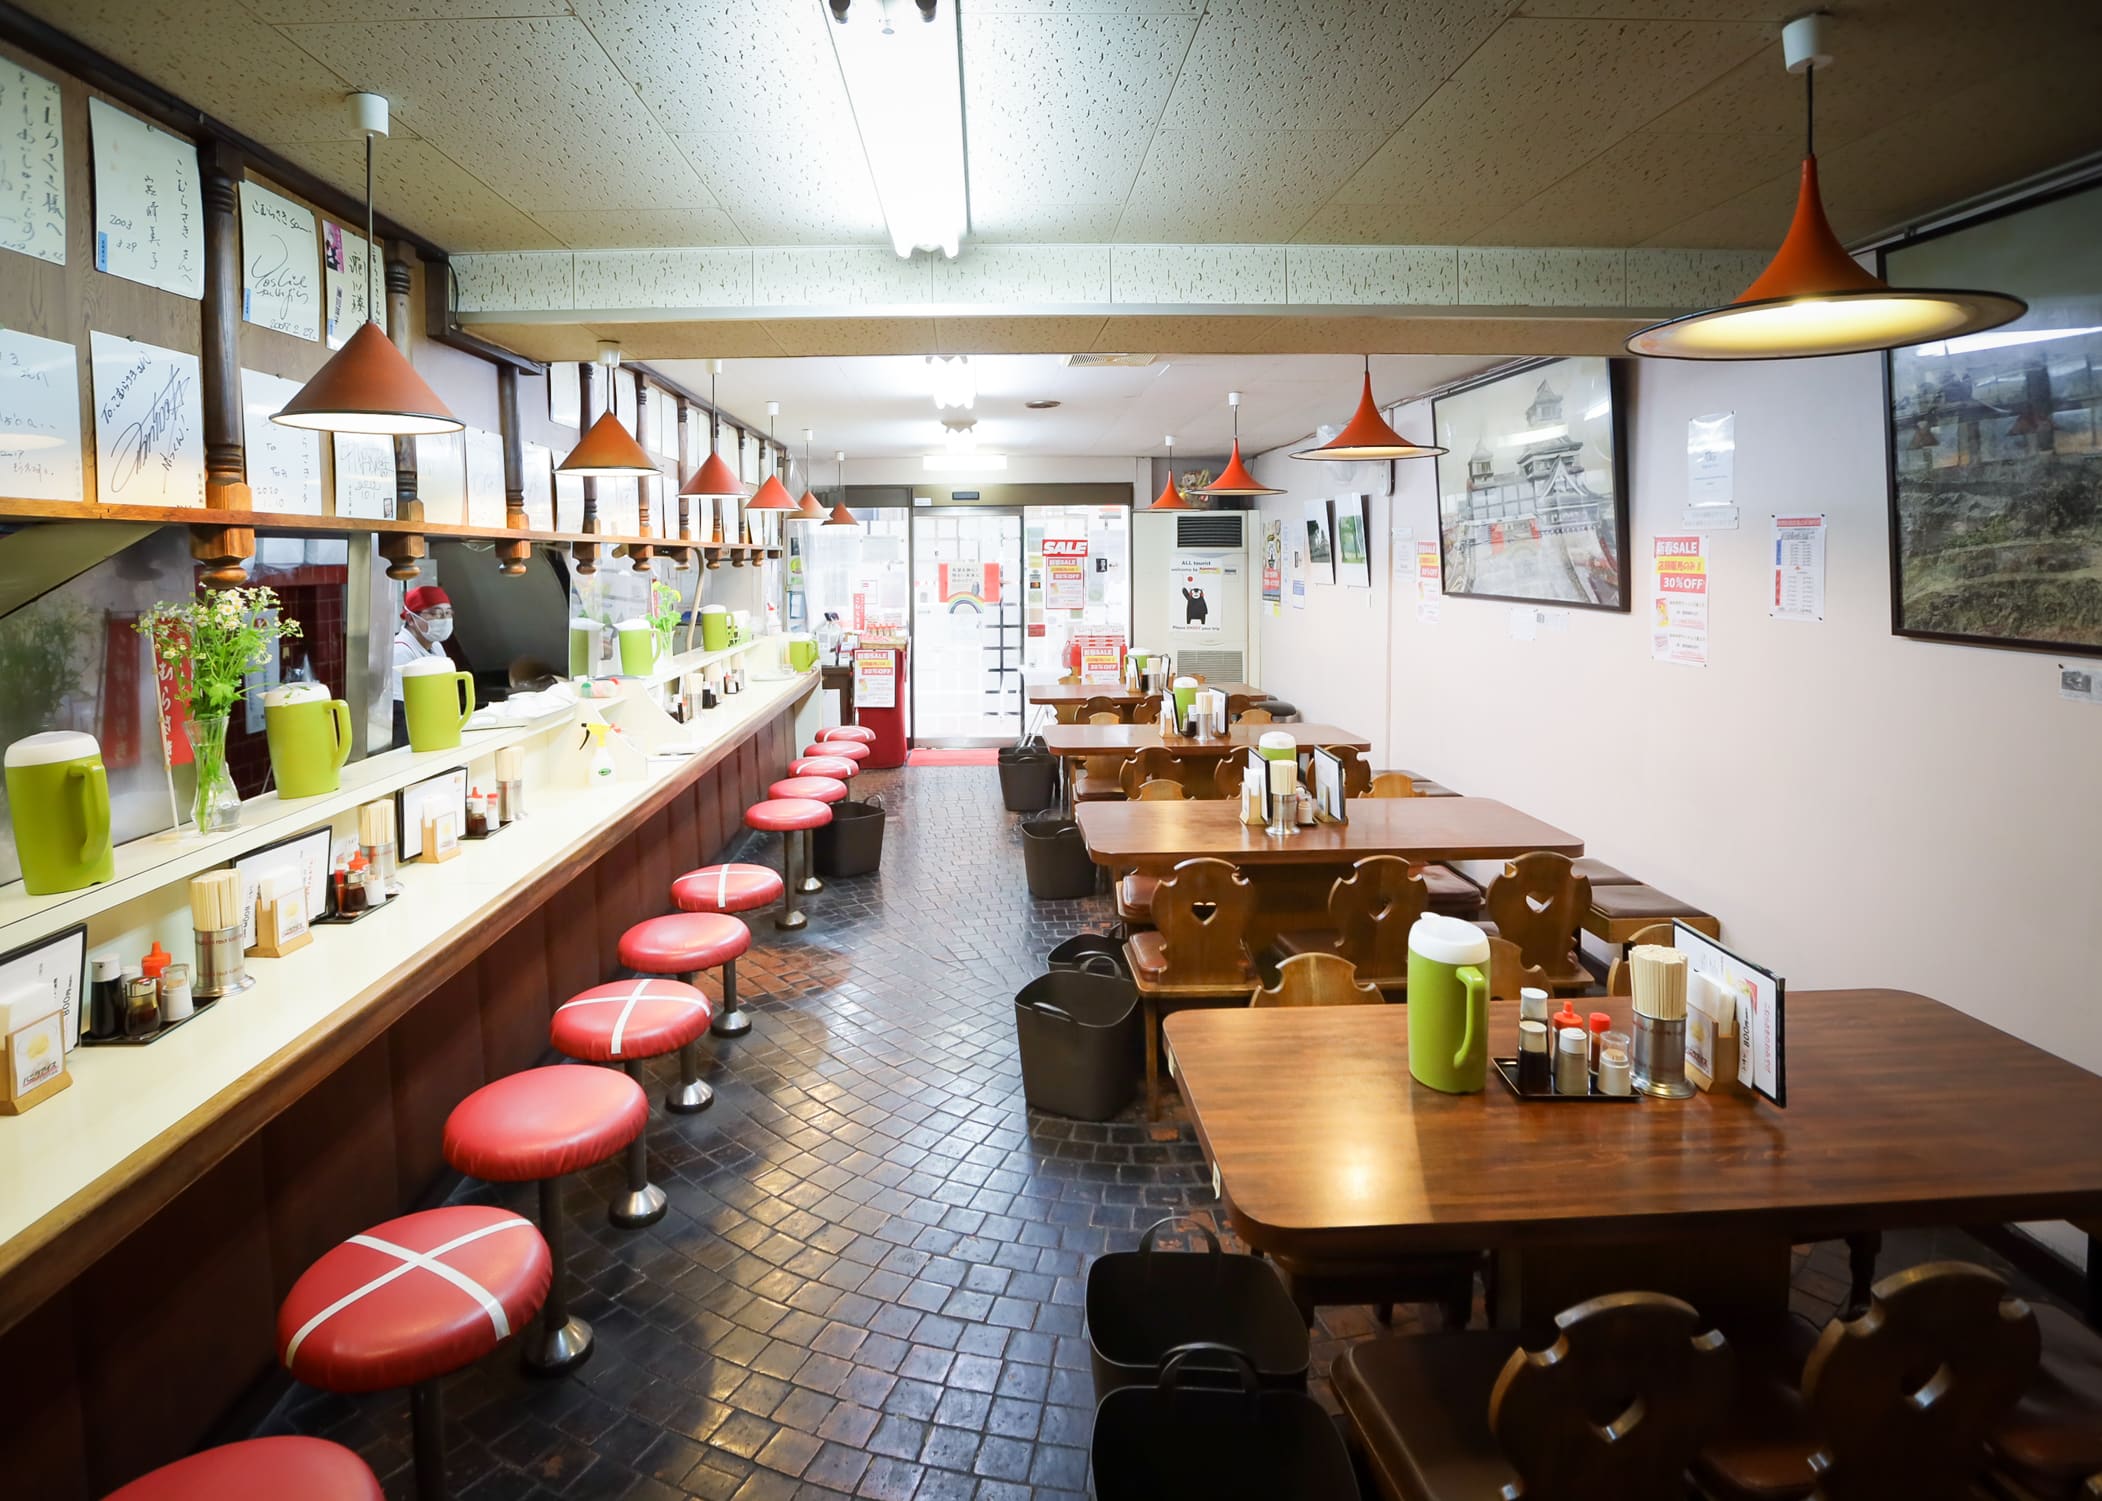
[{"x": 216, "y": 807}]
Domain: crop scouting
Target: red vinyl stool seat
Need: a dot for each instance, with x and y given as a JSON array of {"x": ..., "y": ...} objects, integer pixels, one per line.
[
  {"x": 853, "y": 750},
  {"x": 407, "y": 1303},
  {"x": 630, "y": 1019},
  {"x": 856, "y": 732},
  {"x": 312, "y": 1469},
  {"x": 685, "y": 943},
  {"x": 793, "y": 818},
  {"x": 733, "y": 887},
  {"x": 818, "y": 789},
  {"x": 843, "y": 767},
  {"x": 535, "y": 1127}
]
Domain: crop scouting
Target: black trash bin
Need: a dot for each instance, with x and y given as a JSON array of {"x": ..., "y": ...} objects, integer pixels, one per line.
[
  {"x": 1079, "y": 1035},
  {"x": 1026, "y": 782},
  {"x": 852, "y": 844},
  {"x": 1097, "y": 952},
  {"x": 1034, "y": 745},
  {"x": 1055, "y": 858},
  {"x": 1244, "y": 1441},
  {"x": 1142, "y": 1304}
]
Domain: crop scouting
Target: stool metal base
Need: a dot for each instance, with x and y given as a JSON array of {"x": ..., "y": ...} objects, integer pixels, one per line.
[
  {"x": 810, "y": 882},
  {"x": 557, "y": 1351},
  {"x": 427, "y": 1440},
  {"x": 733, "y": 1023},
  {"x": 638, "y": 1207},
  {"x": 790, "y": 921},
  {"x": 689, "y": 1098}
]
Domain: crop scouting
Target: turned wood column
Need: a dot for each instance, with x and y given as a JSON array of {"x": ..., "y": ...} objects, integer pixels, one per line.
[
  {"x": 404, "y": 551},
  {"x": 223, "y": 550},
  {"x": 512, "y": 555},
  {"x": 682, "y": 445},
  {"x": 586, "y": 553},
  {"x": 640, "y": 553}
]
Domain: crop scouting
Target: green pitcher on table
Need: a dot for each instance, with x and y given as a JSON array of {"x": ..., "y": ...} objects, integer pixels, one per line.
[
  {"x": 1449, "y": 1004},
  {"x": 309, "y": 737},
  {"x": 59, "y": 796},
  {"x": 436, "y": 701}
]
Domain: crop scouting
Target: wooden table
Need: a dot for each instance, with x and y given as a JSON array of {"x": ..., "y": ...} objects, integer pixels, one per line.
[
  {"x": 1074, "y": 741},
  {"x": 1072, "y": 695},
  {"x": 1902, "y": 1112}
]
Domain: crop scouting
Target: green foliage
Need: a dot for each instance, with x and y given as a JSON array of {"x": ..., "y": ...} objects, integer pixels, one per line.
[{"x": 223, "y": 635}]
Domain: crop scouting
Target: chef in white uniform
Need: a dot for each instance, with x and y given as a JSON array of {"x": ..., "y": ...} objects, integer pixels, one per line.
[{"x": 426, "y": 623}]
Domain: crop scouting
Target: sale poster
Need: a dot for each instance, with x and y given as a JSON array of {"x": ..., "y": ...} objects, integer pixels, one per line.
[
  {"x": 1430, "y": 586},
  {"x": 1065, "y": 573},
  {"x": 876, "y": 679},
  {"x": 1679, "y": 629}
]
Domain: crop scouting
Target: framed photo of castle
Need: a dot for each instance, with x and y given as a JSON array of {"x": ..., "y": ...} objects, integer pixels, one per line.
[
  {"x": 1532, "y": 488},
  {"x": 1996, "y": 438}
]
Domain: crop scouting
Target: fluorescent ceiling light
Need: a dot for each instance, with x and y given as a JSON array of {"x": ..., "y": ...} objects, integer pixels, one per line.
[
  {"x": 905, "y": 82},
  {"x": 962, "y": 463},
  {"x": 954, "y": 385}
]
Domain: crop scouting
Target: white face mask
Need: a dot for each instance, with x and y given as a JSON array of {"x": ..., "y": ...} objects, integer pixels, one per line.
[{"x": 436, "y": 630}]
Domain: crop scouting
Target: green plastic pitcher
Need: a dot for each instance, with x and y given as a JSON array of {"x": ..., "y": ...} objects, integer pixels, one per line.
[
  {"x": 309, "y": 736},
  {"x": 638, "y": 647},
  {"x": 715, "y": 627},
  {"x": 436, "y": 701},
  {"x": 59, "y": 796},
  {"x": 1449, "y": 1004}
]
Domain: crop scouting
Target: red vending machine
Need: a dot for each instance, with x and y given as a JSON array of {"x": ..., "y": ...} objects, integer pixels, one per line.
[{"x": 880, "y": 697}]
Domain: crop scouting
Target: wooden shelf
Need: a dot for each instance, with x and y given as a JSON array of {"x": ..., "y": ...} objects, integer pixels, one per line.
[{"x": 12, "y": 509}]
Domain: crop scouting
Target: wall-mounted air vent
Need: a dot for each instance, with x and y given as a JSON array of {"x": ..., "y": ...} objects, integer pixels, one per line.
[{"x": 1208, "y": 531}]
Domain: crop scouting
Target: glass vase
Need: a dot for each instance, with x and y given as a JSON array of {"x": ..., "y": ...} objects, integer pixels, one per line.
[{"x": 216, "y": 806}]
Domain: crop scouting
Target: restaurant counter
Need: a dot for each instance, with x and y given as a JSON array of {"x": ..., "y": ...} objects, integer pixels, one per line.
[{"x": 153, "y": 1214}]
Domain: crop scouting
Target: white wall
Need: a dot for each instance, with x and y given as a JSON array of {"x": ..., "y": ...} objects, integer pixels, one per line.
[{"x": 1858, "y": 809}]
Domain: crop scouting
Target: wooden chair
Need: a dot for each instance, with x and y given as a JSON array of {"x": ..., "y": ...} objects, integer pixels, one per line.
[
  {"x": 1370, "y": 912},
  {"x": 1101, "y": 704},
  {"x": 1146, "y": 710},
  {"x": 1612, "y": 1411},
  {"x": 2049, "y": 1448},
  {"x": 1357, "y": 774},
  {"x": 1160, "y": 790},
  {"x": 1226, "y": 776},
  {"x": 1238, "y": 704},
  {"x": 1154, "y": 761},
  {"x": 1097, "y": 782},
  {"x": 1620, "y": 978},
  {"x": 1317, "y": 980},
  {"x": 1509, "y": 973},
  {"x": 1253, "y": 716},
  {"x": 1392, "y": 784},
  {"x": 1895, "y": 1403},
  {"x": 1197, "y": 953},
  {"x": 1537, "y": 903}
]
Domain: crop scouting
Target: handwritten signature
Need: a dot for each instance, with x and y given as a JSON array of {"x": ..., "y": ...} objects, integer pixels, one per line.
[{"x": 150, "y": 441}]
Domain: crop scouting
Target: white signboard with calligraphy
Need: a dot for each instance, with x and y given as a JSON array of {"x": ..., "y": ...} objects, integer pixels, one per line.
[
  {"x": 32, "y": 166},
  {"x": 149, "y": 424},
  {"x": 39, "y": 418},
  {"x": 149, "y": 206},
  {"x": 441, "y": 476},
  {"x": 485, "y": 478},
  {"x": 284, "y": 463},
  {"x": 540, "y": 487},
  {"x": 280, "y": 264},
  {"x": 343, "y": 282},
  {"x": 365, "y": 476}
]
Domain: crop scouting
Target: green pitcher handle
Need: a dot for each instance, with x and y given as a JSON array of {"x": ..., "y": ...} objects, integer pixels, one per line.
[
  {"x": 340, "y": 712},
  {"x": 94, "y": 808},
  {"x": 1477, "y": 998},
  {"x": 466, "y": 680}
]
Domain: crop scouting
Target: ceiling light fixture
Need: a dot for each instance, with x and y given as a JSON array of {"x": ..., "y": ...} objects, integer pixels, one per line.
[
  {"x": 1171, "y": 497},
  {"x": 841, "y": 516},
  {"x": 772, "y": 495},
  {"x": 1368, "y": 436},
  {"x": 608, "y": 450},
  {"x": 953, "y": 383},
  {"x": 807, "y": 509},
  {"x": 1235, "y": 478},
  {"x": 715, "y": 479},
  {"x": 905, "y": 83},
  {"x": 368, "y": 386},
  {"x": 1813, "y": 298}
]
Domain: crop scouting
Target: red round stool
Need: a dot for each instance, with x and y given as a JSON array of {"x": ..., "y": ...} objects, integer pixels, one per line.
[
  {"x": 685, "y": 943},
  {"x": 733, "y": 887},
  {"x": 857, "y": 732},
  {"x": 843, "y": 767},
  {"x": 536, "y": 1126},
  {"x": 312, "y": 1469},
  {"x": 817, "y": 789},
  {"x": 406, "y": 1304},
  {"x": 793, "y": 818},
  {"x": 853, "y": 750},
  {"x": 631, "y": 1020}
]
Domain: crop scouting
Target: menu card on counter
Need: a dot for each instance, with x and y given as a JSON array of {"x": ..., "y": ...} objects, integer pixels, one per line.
[
  {"x": 284, "y": 463},
  {"x": 149, "y": 424},
  {"x": 1762, "y": 1054},
  {"x": 32, "y": 166},
  {"x": 39, "y": 418},
  {"x": 280, "y": 266},
  {"x": 149, "y": 210}
]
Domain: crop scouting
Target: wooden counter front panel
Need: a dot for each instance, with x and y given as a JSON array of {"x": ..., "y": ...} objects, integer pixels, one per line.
[{"x": 153, "y": 1348}]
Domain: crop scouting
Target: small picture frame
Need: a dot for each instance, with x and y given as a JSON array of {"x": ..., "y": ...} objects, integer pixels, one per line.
[
  {"x": 420, "y": 802},
  {"x": 57, "y": 965},
  {"x": 439, "y": 838},
  {"x": 36, "y": 1062}
]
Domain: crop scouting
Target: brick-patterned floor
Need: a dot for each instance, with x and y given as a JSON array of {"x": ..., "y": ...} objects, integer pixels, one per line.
[{"x": 870, "y": 1279}]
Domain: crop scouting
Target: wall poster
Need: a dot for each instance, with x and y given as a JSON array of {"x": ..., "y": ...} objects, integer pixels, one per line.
[
  {"x": 365, "y": 476},
  {"x": 149, "y": 424},
  {"x": 1273, "y": 563},
  {"x": 149, "y": 211},
  {"x": 39, "y": 418},
  {"x": 1679, "y": 633},
  {"x": 343, "y": 282},
  {"x": 32, "y": 166},
  {"x": 1320, "y": 550},
  {"x": 1197, "y": 578},
  {"x": 1353, "y": 543},
  {"x": 284, "y": 463},
  {"x": 876, "y": 679},
  {"x": 280, "y": 264}
]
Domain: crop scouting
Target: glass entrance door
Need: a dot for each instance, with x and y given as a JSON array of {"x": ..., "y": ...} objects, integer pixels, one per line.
[{"x": 966, "y": 626}]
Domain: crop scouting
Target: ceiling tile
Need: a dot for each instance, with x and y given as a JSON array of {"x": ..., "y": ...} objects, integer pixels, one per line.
[
  {"x": 824, "y": 197},
  {"x": 836, "y": 336},
  {"x": 1016, "y": 335},
  {"x": 1689, "y": 278},
  {"x": 534, "y": 105},
  {"x": 720, "y": 339},
  {"x": 365, "y": 11},
  {"x": 1086, "y": 7},
  {"x": 1142, "y": 274},
  {"x": 849, "y": 276},
  {"x": 718, "y": 66},
  {"x": 1495, "y": 276},
  {"x": 1659, "y": 10},
  {"x": 1534, "y": 104},
  {"x": 664, "y": 278},
  {"x": 1023, "y": 274},
  {"x": 1230, "y": 185},
  {"x": 1635, "y": 187},
  {"x": 1391, "y": 274},
  {"x": 525, "y": 283},
  {"x": 1231, "y": 333},
  {"x": 421, "y": 187},
  {"x": 637, "y": 227},
  {"x": 1071, "y": 223}
]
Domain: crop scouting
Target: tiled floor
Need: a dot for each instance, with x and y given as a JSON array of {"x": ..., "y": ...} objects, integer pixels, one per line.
[{"x": 870, "y": 1279}]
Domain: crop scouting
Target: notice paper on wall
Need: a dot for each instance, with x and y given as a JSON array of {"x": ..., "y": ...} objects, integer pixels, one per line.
[
  {"x": 39, "y": 418},
  {"x": 1273, "y": 563},
  {"x": 284, "y": 463},
  {"x": 1711, "y": 472},
  {"x": 1679, "y": 627},
  {"x": 32, "y": 166},
  {"x": 875, "y": 680},
  {"x": 280, "y": 263},
  {"x": 365, "y": 476},
  {"x": 343, "y": 282},
  {"x": 1430, "y": 580},
  {"x": 1065, "y": 573},
  {"x": 1799, "y": 568},
  {"x": 149, "y": 424},
  {"x": 149, "y": 209}
]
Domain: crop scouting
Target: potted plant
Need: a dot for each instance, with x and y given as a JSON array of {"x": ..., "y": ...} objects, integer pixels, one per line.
[
  {"x": 213, "y": 642},
  {"x": 663, "y": 616}
]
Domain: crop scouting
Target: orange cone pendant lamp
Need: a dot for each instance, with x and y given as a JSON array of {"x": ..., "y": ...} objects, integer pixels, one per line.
[
  {"x": 715, "y": 479},
  {"x": 807, "y": 509},
  {"x": 1235, "y": 479},
  {"x": 841, "y": 516},
  {"x": 1368, "y": 436},
  {"x": 772, "y": 495},
  {"x": 1171, "y": 496},
  {"x": 1813, "y": 298},
  {"x": 608, "y": 450},
  {"x": 368, "y": 386}
]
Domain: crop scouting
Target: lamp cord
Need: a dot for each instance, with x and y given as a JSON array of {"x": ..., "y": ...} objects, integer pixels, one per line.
[
  {"x": 372, "y": 307},
  {"x": 1810, "y": 110}
]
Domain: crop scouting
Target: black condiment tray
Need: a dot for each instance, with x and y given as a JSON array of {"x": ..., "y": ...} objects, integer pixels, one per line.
[
  {"x": 335, "y": 919},
  {"x": 494, "y": 830},
  {"x": 155, "y": 1036},
  {"x": 1507, "y": 1070}
]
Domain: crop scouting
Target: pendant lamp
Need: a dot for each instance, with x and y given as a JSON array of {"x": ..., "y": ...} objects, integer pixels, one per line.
[
  {"x": 368, "y": 386},
  {"x": 1368, "y": 436},
  {"x": 841, "y": 516},
  {"x": 1171, "y": 496},
  {"x": 807, "y": 509},
  {"x": 772, "y": 495},
  {"x": 715, "y": 479},
  {"x": 607, "y": 450},
  {"x": 1813, "y": 298},
  {"x": 1236, "y": 480}
]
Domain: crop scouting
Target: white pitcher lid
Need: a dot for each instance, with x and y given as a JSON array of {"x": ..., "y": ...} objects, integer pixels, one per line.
[
  {"x": 634, "y": 624},
  {"x": 714, "y": 610},
  {"x": 423, "y": 667},
  {"x": 295, "y": 693},
  {"x": 1184, "y": 683},
  {"x": 53, "y": 745},
  {"x": 583, "y": 623},
  {"x": 1278, "y": 740},
  {"x": 1448, "y": 940}
]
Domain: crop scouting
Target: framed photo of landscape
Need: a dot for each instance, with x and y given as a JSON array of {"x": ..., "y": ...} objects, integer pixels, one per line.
[
  {"x": 1532, "y": 488},
  {"x": 1995, "y": 439}
]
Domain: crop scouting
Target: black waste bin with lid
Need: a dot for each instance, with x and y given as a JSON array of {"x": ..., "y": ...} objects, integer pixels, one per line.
[{"x": 1080, "y": 1040}]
